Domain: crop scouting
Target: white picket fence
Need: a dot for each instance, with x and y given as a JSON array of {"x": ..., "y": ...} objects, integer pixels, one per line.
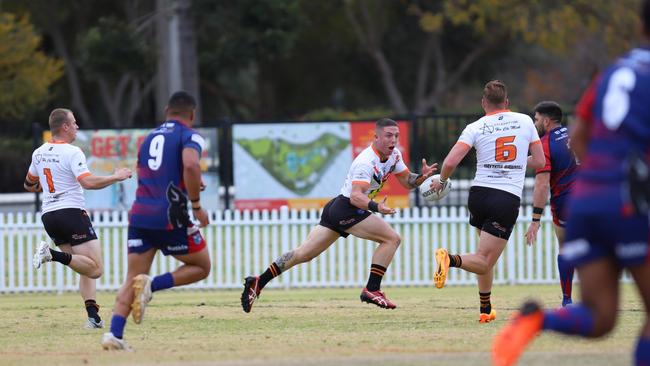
[{"x": 242, "y": 243}]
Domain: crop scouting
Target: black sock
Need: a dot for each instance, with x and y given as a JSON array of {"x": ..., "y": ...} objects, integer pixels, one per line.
[
  {"x": 272, "y": 272},
  {"x": 374, "y": 280},
  {"x": 486, "y": 307},
  {"x": 61, "y": 257},
  {"x": 93, "y": 310},
  {"x": 455, "y": 260}
]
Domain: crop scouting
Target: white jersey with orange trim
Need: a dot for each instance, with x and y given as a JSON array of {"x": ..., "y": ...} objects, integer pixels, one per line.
[
  {"x": 58, "y": 167},
  {"x": 368, "y": 170},
  {"x": 502, "y": 140}
]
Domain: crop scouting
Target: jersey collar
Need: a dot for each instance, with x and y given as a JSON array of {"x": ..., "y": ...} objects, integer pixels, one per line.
[
  {"x": 497, "y": 112},
  {"x": 378, "y": 154}
]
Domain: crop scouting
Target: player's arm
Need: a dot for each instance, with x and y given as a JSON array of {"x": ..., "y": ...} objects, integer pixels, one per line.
[
  {"x": 91, "y": 181},
  {"x": 455, "y": 156},
  {"x": 540, "y": 196},
  {"x": 360, "y": 200},
  {"x": 32, "y": 184},
  {"x": 410, "y": 180},
  {"x": 192, "y": 180},
  {"x": 536, "y": 160}
]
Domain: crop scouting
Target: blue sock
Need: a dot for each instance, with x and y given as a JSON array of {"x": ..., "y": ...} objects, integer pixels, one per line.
[
  {"x": 566, "y": 277},
  {"x": 576, "y": 319},
  {"x": 117, "y": 325},
  {"x": 164, "y": 281},
  {"x": 642, "y": 354}
]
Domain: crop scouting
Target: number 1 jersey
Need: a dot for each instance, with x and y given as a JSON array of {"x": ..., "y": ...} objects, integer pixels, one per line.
[
  {"x": 161, "y": 197},
  {"x": 59, "y": 166}
]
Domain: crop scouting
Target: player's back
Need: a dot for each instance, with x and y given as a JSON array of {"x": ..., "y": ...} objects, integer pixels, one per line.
[
  {"x": 617, "y": 108},
  {"x": 561, "y": 163},
  {"x": 502, "y": 140},
  {"x": 160, "y": 174},
  {"x": 59, "y": 166}
]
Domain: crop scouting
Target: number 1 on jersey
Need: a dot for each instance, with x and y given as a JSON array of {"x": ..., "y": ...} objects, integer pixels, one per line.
[
  {"x": 505, "y": 149},
  {"x": 48, "y": 177}
]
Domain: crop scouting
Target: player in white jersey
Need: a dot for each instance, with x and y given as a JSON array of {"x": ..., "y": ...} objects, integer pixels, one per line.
[
  {"x": 59, "y": 170},
  {"x": 502, "y": 140},
  {"x": 349, "y": 213}
]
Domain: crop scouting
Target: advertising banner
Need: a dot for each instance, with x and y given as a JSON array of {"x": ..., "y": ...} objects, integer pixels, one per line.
[
  {"x": 303, "y": 165},
  {"x": 107, "y": 150}
]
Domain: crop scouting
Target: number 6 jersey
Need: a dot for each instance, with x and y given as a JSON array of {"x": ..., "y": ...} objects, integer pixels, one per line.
[
  {"x": 160, "y": 200},
  {"x": 58, "y": 167},
  {"x": 502, "y": 140}
]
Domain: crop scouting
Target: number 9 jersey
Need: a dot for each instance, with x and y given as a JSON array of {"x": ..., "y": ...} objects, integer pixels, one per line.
[
  {"x": 502, "y": 140},
  {"x": 161, "y": 197}
]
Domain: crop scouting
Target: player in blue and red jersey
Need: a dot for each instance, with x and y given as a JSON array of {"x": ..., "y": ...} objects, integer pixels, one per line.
[
  {"x": 558, "y": 174},
  {"x": 607, "y": 228},
  {"x": 169, "y": 176}
]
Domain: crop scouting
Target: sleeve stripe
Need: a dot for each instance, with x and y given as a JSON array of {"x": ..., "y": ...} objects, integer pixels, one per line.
[
  {"x": 536, "y": 142},
  {"x": 361, "y": 183},
  {"x": 31, "y": 177},
  {"x": 83, "y": 175},
  {"x": 463, "y": 143}
]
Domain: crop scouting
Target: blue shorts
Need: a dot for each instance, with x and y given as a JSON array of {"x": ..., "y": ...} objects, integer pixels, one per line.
[
  {"x": 170, "y": 242},
  {"x": 558, "y": 211},
  {"x": 593, "y": 236}
]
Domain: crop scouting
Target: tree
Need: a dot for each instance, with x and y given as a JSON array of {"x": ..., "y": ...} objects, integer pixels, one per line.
[
  {"x": 115, "y": 56},
  {"x": 454, "y": 35},
  {"x": 26, "y": 73},
  {"x": 237, "y": 40}
]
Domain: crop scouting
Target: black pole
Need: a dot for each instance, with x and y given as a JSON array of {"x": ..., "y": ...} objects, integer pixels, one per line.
[
  {"x": 225, "y": 160},
  {"x": 37, "y": 136}
]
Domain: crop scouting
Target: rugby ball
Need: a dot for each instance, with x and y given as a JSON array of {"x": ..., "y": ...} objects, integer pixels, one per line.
[{"x": 430, "y": 195}]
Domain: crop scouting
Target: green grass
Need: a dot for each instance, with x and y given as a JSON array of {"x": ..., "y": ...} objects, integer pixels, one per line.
[{"x": 300, "y": 327}]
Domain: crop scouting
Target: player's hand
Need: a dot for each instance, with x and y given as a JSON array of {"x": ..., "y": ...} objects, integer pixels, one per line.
[
  {"x": 437, "y": 186},
  {"x": 531, "y": 234},
  {"x": 383, "y": 207},
  {"x": 202, "y": 216},
  {"x": 428, "y": 170},
  {"x": 123, "y": 173},
  {"x": 202, "y": 187}
]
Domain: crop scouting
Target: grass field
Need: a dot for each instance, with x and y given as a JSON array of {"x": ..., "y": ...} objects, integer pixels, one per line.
[{"x": 300, "y": 327}]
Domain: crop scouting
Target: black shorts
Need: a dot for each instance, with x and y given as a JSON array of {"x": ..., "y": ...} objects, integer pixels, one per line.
[
  {"x": 493, "y": 210},
  {"x": 68, "y": 226},
  {"x": 339, "y": 215}
]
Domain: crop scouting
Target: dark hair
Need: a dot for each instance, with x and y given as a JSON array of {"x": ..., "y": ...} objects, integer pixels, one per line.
[
  {"x": 645, "y": 17},
  {"x": 495, "y": 92},
  {"x": 384, "y": 122},
  {"x": 58, "y": 117},
  {"x": 549, "y": 109},
  {"x": 181, "y": 104}
]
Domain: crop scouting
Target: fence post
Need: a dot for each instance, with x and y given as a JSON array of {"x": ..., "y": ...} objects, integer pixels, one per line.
[{"x": 284, "y": 237}]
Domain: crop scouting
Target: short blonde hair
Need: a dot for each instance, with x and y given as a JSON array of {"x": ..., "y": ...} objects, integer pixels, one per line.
[
  {"x": 58, "y": 117},
  {"x": 495, "y": 92}
]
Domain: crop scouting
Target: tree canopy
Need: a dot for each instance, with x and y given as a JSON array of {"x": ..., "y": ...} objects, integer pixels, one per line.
[{"x": 26, "y": 72}]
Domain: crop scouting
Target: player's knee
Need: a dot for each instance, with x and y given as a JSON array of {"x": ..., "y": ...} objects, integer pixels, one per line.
[
  {"x": 394, "y": 240},
  {"x": 206, "y": 269},
  {"x": 96, "y": 273},
  {"x": 605, "y": 322}
]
